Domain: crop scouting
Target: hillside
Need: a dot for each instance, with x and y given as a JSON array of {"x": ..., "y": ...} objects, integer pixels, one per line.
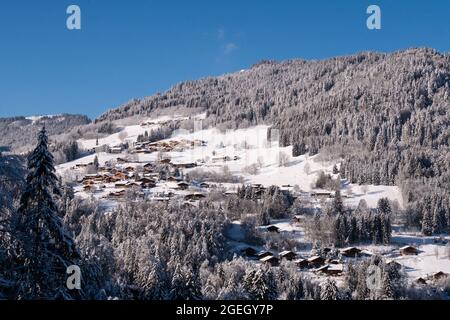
[
  {"x": 17, "y": 134},
  {"x": 386, "y": 115}
]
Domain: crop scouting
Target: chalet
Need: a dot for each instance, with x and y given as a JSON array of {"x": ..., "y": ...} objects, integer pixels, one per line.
[
  {"x": 204, "y": 185},
  {"x": 264, "y": 254},
  {"x": 185, "y": 165},
  {"x": 408, "y": 250},
  {"x": 332, "y": 270},
  {"x": 148, "y": 167},
  {"x": 194, "y": 196},
  {"x": 165, "y": 161},
  {"x": 352, "y": 252},
  {"x": 273, "y": 229},
  {"x": 220, "y": 159},
  {"x": 322, "y": 268},
  {"x": 270, "y": 260},
  {"x": 288, "y": 255},
  {"x": 440, "y": 275},
  {"x": 80, "y": 165},
  {"x": 316, "y": 261},
  {"x": 393, "y": 264},
  {"x": 301, "y": 263},
  {"x": 94, "y": 176},
  {"x": 326, "y": 250},
  {"x": 116, "y": 150},
  {"x": 296, "y": 219},
  {"x": 146, "y": 180},
  {"x": 130, "y": 185},
  {"x": 130, "y": 169},
  {"x": 120, "y": 185},
  {"x": 366, "y": 253},
  {"x": 420, "y": 281},
  {"x": 119, "y": 175},
  {"x": 121, "y": 160},
  {"x": 322, "y": 195},
  {"x": 183, "y": 185},
  {"x": 118, "y": 194},
  {"x": 249, "y": 252},
  {"x": 333, "y": 261},
  {"x": 89, "y": 188}
]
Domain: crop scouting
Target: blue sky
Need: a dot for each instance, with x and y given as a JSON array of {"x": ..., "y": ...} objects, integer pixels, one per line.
[{"x": 130, "y": 49}]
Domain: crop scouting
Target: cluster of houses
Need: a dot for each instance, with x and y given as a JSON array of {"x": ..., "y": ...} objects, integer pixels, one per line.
[
  {"x": 165, "y": 146},
  {"x": 328, "y": 266},
  {"x": 315, "y": 263},
  {"x": 124, "y": 176}
]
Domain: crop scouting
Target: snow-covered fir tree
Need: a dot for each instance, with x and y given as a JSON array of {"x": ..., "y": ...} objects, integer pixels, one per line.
[{"x": 45, "y": 249}]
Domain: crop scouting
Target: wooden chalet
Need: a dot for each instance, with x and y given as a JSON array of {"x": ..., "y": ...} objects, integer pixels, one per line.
[
  {"x": 183, "y": 185},
  {"x": 194, "y": 196},
  {"x": 249, "y": 252},
  {"x": 316, "y": 261},
  {"x": 350, "y": 252},
  {"x": 270, "y": 260},
  {"x": 302, "y": 263},
  {"x": 264, "y": 254},
  {"x": 408, "y": 251},
  {"x": 288, "y": 255}
]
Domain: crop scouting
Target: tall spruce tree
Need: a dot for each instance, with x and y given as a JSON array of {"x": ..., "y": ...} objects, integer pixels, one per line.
[{"x": 45, "y": 249}]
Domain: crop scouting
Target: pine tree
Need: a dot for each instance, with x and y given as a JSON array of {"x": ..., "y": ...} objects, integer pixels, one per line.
[
  {"x": 96, "y": 163},
  {"x": 260, "y": 286},
  {"x": 384, "y": 206},
  {"x": 329, "y": 291},
  {"x": 44, "y": 247},
  {"x": 335, "y": 169},
  {"x": 427, "y": 223},
  {"x": 338, "y": 204}
]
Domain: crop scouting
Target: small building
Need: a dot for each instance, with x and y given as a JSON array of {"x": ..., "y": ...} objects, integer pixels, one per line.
[
  {"x": 194, "y": 196},
  {"x": 165, "y": 161},
  {"x": 249, "y": 252},
  {"x": 273, "y": 229},
  {"x": 331, "y": 270},
  {"x": 264, "y": 254},
  {"x": 316, "y": 261},
  {"x": 366, "y": 253},
  {"x": 393, "y": 264},
  {"x": 302, "y": 263},
  {"x": 288, "y": 255},
  {"x": 90, "y": 188},
  {"x": 120, "y": 185},
  {"x": 204, "y": 185},
  {"x": 183, "y": 185},
  {"x": 352, "y": 252},
  {"x": 148, "y": 167},
  {"x": 408, "y": 250},
  {"x": 146, "y": 180},
  {"x": 296, "y": 219},
  {"x": 115, "y": 150},
  {"x": 270, "y": 260},
  {"x": 440, "y": 275},
  {"x": 421, "y": 281}
]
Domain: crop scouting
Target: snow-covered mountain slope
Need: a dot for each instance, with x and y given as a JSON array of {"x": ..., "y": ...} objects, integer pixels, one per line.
[{"x": 246, "y": 153}]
